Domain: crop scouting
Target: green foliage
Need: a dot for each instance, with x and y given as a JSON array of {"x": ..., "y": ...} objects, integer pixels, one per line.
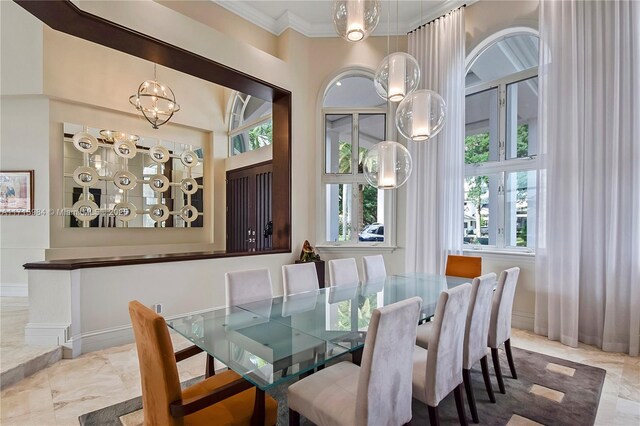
[
  {"x": 368, "y": 195},
  {"x": 476, "y": 152},
  {"x": 261, "y": 135},
  {"x": 366, "y": 305}
]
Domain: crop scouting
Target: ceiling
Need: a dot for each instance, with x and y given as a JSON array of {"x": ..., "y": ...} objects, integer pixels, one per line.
[{"x": 312, "y": 18}]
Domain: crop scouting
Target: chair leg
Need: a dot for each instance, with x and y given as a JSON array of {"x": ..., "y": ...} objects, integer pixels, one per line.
[
  {"x": 466, "y": 376},
  {"x": 512, "y": 367},
  {"x": 487, "y": 380},
  {"x": 457, "y": 392},
  {"x": 294, "y": 418},
  {"x": 434, "y": 418},
  {"x": 496, "y": 367}
]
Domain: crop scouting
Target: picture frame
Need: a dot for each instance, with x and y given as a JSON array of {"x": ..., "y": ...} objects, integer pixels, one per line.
[{"x": 16, "y": 192}]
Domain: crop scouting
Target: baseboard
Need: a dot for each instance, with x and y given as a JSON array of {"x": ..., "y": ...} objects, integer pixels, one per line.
[
  {"x": 46, "y": 334},
  {"x": 14, "y": 290},
  {"x": 522, "y": 320}
]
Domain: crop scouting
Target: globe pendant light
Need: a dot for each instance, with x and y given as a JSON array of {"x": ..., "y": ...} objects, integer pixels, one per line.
[
  {"x": 420, "y": 116},
  {"x": 355, "y": 20},
  {"x": 387, "y": 165},
  {"x": 397, "y": 75},
  {"x": 155, "y": 101}
]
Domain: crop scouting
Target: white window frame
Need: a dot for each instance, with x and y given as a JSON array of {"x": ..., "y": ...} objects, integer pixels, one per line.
[
  {"x": 389, "y": 243},
  {"x": 245, "y": 125},
  {"x": 502, "y": 166}
]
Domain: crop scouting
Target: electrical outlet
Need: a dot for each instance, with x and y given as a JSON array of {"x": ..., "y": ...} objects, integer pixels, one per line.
[{"x": 157, "y": 308}]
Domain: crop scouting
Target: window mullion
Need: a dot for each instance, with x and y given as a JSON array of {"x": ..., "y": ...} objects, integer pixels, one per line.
[
  {"x": 355, "y": 143},
  {"x": 500, "y": 240}
]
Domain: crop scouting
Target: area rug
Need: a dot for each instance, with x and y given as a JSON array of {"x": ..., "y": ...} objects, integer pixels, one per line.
[{"x": 549, "y": 391}]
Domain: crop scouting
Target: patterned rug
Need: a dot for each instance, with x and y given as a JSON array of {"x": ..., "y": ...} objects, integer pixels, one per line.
[{"x": 549, "y": 391}]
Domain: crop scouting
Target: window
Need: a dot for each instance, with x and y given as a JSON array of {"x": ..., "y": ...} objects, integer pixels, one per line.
[
  {"x": 250, "y": 124},
  {"x": 501, "y": 145},
  {"x": 354, "y": 120}
]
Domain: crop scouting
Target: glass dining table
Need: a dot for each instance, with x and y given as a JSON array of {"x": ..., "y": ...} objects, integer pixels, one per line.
[{"x": 270, "y": 342}]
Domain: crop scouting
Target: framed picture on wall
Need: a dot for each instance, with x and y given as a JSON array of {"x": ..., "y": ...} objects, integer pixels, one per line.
[{"x": 16, "y": 192}]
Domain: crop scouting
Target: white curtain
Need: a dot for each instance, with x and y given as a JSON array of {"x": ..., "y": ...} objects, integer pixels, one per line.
[
  {"x": 588, "y": 254},
  {"x": 435, "y": 188}
]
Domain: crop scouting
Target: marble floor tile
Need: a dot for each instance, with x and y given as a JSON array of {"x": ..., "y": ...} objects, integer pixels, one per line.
[
  {"x": 30, "y": 396},
  {"x": 627, "y": 413},
  {"x": 17, "y": 359}
]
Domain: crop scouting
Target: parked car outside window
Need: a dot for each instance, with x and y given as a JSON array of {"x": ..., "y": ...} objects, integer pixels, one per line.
[{"x": 373, "y": 232}]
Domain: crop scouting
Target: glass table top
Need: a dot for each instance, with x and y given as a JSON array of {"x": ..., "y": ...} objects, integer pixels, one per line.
[
  {"x": 271, "y": 341},
  {"x": 263, "y": 351},
  {"x": 341, "y": 315}
]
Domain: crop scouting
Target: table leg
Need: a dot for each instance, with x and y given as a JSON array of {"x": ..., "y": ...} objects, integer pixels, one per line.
[
  {"x": 356, "y": 356},
  {"x": 258, "y": 417},
  {"x": 210, "y": 368}
]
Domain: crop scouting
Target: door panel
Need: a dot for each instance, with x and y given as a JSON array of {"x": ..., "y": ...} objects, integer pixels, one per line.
[{"x": 249, "y": 208}]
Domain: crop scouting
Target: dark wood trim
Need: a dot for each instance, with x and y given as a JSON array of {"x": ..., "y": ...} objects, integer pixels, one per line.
[
  {"x": 183, "y": 408},
  {"x": 250, "y": 166},
  {"x": 103, "y": 262},
  {"x": 185, "y": 353},
  {"x": 64, "y": 16}
]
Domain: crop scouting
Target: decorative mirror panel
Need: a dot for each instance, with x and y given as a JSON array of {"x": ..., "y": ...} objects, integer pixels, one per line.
[{"x": 116, "y": 179}]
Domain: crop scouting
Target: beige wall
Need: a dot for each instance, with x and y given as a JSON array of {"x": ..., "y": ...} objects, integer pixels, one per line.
[
  {"x": 486, "y": 17},
  {"x": 216, "y": 16},
  {"x": 302, "y": 66}
]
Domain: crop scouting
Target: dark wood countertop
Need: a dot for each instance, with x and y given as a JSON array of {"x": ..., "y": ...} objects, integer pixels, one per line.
[{"x": 103, "y": 262}]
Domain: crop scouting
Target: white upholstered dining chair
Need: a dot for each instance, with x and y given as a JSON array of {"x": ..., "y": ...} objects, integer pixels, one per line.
[
  {"x": 376, "y": 393},
  {"x": 299, "y": 278},
  {"x": 343, "y": 272},
  {"x": 500, "y": 323},
  {"x": 438, "y": 371},
  {"x": 373, "y": 268},
  {"x": 475, "y": 336},
  {"x": 247, "y": 286}
]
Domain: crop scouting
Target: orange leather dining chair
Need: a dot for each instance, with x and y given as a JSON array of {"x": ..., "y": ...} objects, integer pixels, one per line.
[
  {"x": 464, "y": 266},
  {"x": 222, "y": 399}
]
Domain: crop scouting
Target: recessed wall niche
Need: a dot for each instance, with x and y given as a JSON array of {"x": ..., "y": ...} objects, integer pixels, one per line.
[{"x": 116, "y": 179}]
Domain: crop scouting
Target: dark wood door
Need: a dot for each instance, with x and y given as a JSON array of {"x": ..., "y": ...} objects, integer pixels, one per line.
[{"x": 249, "y": 195}]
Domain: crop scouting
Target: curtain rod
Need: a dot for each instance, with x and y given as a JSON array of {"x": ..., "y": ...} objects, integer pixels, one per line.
[{"x": 434, "y": 20}]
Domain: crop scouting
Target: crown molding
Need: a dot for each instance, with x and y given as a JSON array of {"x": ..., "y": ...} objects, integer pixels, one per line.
[{"x": 295, "y": 22}]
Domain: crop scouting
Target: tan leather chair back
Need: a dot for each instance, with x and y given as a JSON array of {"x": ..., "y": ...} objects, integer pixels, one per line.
[
  {"x": 158, "y": 370},
  {"x": 464, "y": 266}
]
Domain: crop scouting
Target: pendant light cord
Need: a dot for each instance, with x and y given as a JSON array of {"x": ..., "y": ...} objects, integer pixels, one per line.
[
  {"x": 397, "y": 25},
  {"x": 387, "y": 59}
]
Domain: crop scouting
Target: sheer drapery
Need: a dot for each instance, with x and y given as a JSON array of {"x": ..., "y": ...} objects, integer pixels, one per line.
[
  {"x": 588, "y": 254},
  {"x": 435, "y": 188}
]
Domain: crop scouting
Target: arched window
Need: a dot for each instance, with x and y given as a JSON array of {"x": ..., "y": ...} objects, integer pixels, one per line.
[
  {"x": 354, "y": 120},
  {"x": 501, "y": 140},
  {"x": 250, "y": 124}
]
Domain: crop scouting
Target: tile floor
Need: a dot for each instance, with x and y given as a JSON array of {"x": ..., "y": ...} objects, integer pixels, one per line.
[
  {"x": 60, "y": 393},
  {"x": 18, "y": 360}
]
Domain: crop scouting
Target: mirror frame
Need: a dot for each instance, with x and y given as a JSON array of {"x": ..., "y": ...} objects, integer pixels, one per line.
[{"x": 64, "y": 16}]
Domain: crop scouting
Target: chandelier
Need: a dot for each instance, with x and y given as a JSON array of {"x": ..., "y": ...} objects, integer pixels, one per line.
[
  {"x": 387, "y": 165},
  {"x": 420, "y": 116},
  {"x": 355, "y": 20},
  {"x": 155, "y": 101}
]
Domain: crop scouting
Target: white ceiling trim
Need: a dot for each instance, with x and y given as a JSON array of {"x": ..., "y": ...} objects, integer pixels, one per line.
[{"x": 290, "y": 20}]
